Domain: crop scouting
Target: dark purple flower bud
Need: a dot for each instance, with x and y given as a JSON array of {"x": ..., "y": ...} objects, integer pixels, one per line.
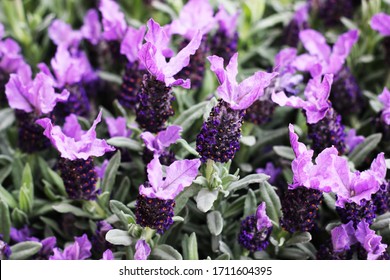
[
  {"x": 331, "y": 11},
  {"x": 131, "y": 85},
  {"x": 346, "y": 96},
  {"x": 299, "y": 22},
  {"x": 381, "y": 198},
  {"x": 255, "y": 230},
  {"x": 353, "y": 212},
  {"x": 5, "y": 250},
  {"x": 261, "y": 111},
  {"x": 98, "y": 240}
]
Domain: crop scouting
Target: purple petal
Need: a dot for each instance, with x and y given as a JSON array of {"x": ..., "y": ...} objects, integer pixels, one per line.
[
  {"x": 100, "y": 170},
  {"x": 132, "y": 42},
  {"x": 148, "y": 55},
  {"x": 48, "y": 246},
  {"x": 72, "y": 128},
  {"x": 228, "y": 23},
  {"x": 62, "y": 34},
  {"x": 315, "y": 43},
  {"x": 370, "y": 241},
  {"x": 169, "y": 136},
  {"x": 114, "y": 23},
  {"x": 20, "y": 235},
  {"x": 343, "y": 237},
  {"x": 384, "y": 98},
  {"x": 117, "y": 127},
  {"x": 92, "y": 28},
  {"x": 362, "y": 186},
  {"x": 142, "y": 250},
  {"x": 217, "y": 67},
  {"x": 11, "y": 59},
  {"x": 352, "y": 141},
  {"x": 157, "y": 35},
  {"x": 67, "y": 69},
  {"x": 57, "y": 255},
  {"x": 298, "y": 147},
  {"x": 150, "y": 142},
  {"x": 16, "y": 90},
  {"x": 80, "y": 249},
  {"x": 155, "y": 174},
  {"x": 378, "y": 168},
  {"x": 271, "y": 171},
  {"x": 381, "y": 23},
  {"x": 262, "y": 219},
  {"x": 108, "y": 255},
  {"x": 284, "y": 58},
  {"x": 305, "y": 62}
]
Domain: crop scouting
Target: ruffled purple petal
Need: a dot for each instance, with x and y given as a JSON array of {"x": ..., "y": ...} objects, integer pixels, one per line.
[
  {"x": 92, "y": 29},
  {"x": 384, "y": 98},
  {"x": 262, "y": 219},
  {"x": 117, "y": 127},
  {"x": 343, "y": 237},
  {"x": 114, "y": 23},
  {"x": 132, "y": 43},
  {"x": 370, "y": 241},
  {"x": 62, "y": 34},
  {"x": 169, "y": 136},
  {"x": 16, "y": 89},
  {"x": 315, "y": 43},
  {"x": 227, "y": 22},
  {"x": 381, "y": 23},
  {"x": 142, "y": 250},
  {"x": 108, "y": 255}
]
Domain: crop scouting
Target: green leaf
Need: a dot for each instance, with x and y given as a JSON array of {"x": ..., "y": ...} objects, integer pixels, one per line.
[
  {"x": 182, "y": 198},
  {"x": 360, "y": 153},
  {"x": 4, "y": 172},
  {"x": 256, "y": 8},
  {"x": 273, "y": 205},
  {"x": 124, "y": 142},
  {"x": 7, "y": 118},
  {"x": 26, "y": 193},
  {"x": 5, "y": 221},
  {"x": 205, "y": 199},
  {"x": 298, "y": 238},
  {"x": 25, "y": 250},
  {"x": 292, "y": 253},
  {"x": 284, "y": 152},
  {"x": 190, "y": 247},
  {"x": 223, "y": 257},
  {"x": 124, "y": 214},
  {"x": 111, "y": 171},
  {"x": 64, "y": 207},
  {"x": 119, "y": 237},
  {"x": 250, "y": 204},
  {"x": 187, "y": 147},
  {"x": 123, "y": 191},
  {"x": 247, "y": 180},
  {"x": 248, "y": 140},
  {"x": 215, "y": 222},
  {"x": 57, "y": 181},
  {"x": 381, "y": 222},
  {"x": 165, "y": 252},
  {"x": 19, "y": 218},
  {"x": 7, "y": 197},
  {"x": 189, "y": 116},
  {"x": 110, "y": 77}
]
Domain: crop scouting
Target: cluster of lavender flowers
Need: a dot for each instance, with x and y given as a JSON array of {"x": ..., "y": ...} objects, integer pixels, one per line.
[{"x": 198, "y": 155}]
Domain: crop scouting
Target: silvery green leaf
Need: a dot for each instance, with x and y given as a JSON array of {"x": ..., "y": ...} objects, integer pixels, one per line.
[
  {"x": 178, "y": 219},
  {"x": 123, "y": 212},
  {"x": 332, "y": 225},
  {"x": 190, "y": 247},
  {"x": 26, "y": 193},
  {"x": 250, "y": 204},
  {"x": 25, "y": 250},
  {"x": 5, "y": 221},
  {"x": 205, "y": 199},
  {"x": 7, "y": 197},
  {"x": 182, "y": 198},
  {"x": 7, "y": 118},
  {"x": 64, "y": 207},
  {"x": 165, "y": 252},
  {"x": 111, "y": 172},
  {"x": 256, "y": 8},
  {"x": 234, "y": 208},
  {"x": 284, "y": 152},
  {"x": 189, "y": 116},
  {"x": 110, "y": 77},
  {"x": 122, "y": 192},
  {"x": 360, "y": 153},
  {"x": 223, "y": 257},
  {"x": 247, "y": 180},
  {"x": 299, "y": 237},
  {"x": 224, "y": 248},
  {"x": 187, "y": 147},
  {"x": 124, "y": 142},
  {"x": 18, "y": 217},
  {"x": 118, "y": 237},
  {"x": 381, "y": 222},
  {"x": 272, "y": 200},
  {"x": 292, "y": 253},
  {"x": 261, "y": 255},
  {"x": 5, "y": 172},
  {"x": 330, "y": 201},
  {"x": 248, "y": 140},
  {"x": 215, "y": 222}
]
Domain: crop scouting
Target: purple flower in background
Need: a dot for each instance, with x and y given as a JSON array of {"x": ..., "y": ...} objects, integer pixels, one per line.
[
  {"x": 352, "y": 140},
  {"x": 381, "y": 23},
  {"x": 63, "y": 35},
  {"x": 156, "y": 199},
  {"x": 255, "y": 230},
  {"x": 316, "y": 94},
  {"x": 33, "y": 96},
  {"x": 108, "y": 255},
  {"x": 117, "y": 127},
  {"x": 132, "y": 43},
  {"x": 332, "y": 11},
  {"x": 271, "y": 171},
  {"x": 23, "y": 234},
  {"x": 142, "y": 250},
  {"x": 343, "y": 237},
  {"x": 224, "y": 123},
  {"x": 114, "y": 23},
  {"x": 330, "y": 59},
  {"x": 46, "y": 251},
  {"x": 100, "y": 170},
  {"x": 195, "y": 16},
  {"x": 299, "y": 22},
  {"x": 370, "y": 241},
  {"x": 384, "y": 98},
  {"x": 79, "y": 250},
  {"x": 74, "y": 143},
  {"x": 92, "y": 28}
]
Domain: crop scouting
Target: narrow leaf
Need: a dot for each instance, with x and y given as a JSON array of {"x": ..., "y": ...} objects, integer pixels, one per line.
[{"x": 110, "y": 173}]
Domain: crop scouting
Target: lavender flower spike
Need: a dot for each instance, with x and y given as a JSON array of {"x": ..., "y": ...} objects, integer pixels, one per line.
[
  {"x": 153, "y": 58},
  {"x": 79, "y": 250},
  {"x": 239, "y": 96},
  {"x": 74, "y": 143},
  {"x": 381, "y": 23},
  {"x": 132, "y": 43},
  {"x": 384, "y": 98},
  {"x": 142, "y": 250}
]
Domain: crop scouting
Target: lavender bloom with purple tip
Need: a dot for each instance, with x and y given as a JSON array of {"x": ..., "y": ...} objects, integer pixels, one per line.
[
  {"x": 77, "y": 147},
  {"x": 155, "y": 97},
  {"x": 156, "y": 199},
  {"x": 79, "y": 250},
  {"x": 219, "y": 137},
  {"x": 134, "y": 72},
  {"x": 158, "y": 144},
  {"x": 255, "y": 230},
  {"x": 142, "y": 250},
  {"x": 352, "y": 140}
]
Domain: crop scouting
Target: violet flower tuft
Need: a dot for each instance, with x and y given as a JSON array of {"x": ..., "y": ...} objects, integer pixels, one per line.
[
  {"x": 142, "y": 250},
  {"x": 79, "y": 250}
]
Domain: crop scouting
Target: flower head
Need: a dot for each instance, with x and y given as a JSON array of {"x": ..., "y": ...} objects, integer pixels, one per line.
[
  {"x": 36, "y": 95},
  {"x": 142, "y": 250},
  {"x": 117, "y": 127},
  {"x": 196, "y": 15},
  {"x": 238, "y": 95},
  {"x": 92, "y": 29},
  {"x": 263, "y": 221},
  {"x": 114, "y": 23},
  {"x": 317, "y": 94},
  {"x": 73, "y": 142},
  {"x": 11, "y": 58},
  {"x": 384, "y": 98},
  {"x": 79, "y": 250},
  {"x": 152, "y": 55},
  {"x": 331, "y": 60},
  {"x": 381, "y": 23},
  {"x": 132, "y": 42},
  {"x": 178, "y": 175},
  {"x": 343, "y": 237},
  {"x": 160, "y": 142}
]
